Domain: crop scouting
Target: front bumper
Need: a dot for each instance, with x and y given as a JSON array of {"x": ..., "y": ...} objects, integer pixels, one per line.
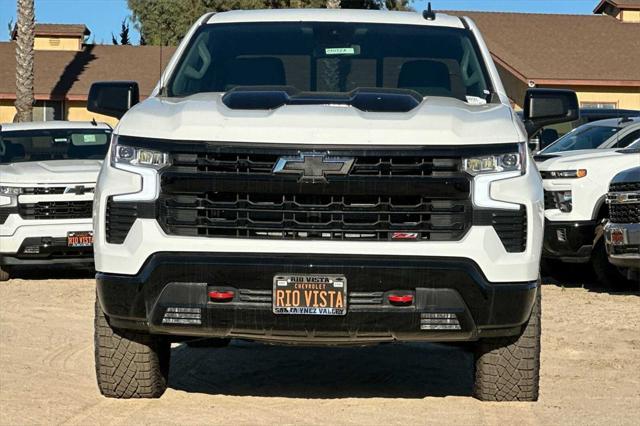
[
  {"x": 19, "y": 239},
  {"x": 179, "y": 282},
  {"x": 569, "y": 241},
  {"x": 47, "y": 251},
  {"x": 627, "y": 253}
]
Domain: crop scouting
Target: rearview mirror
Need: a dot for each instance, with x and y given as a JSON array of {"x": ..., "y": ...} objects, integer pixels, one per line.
[
  {"x": 113, "y": 98},
  {"x": 543, "y": 107}
]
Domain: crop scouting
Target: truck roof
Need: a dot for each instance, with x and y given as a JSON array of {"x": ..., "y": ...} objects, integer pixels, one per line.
[
  {"x": 334, "y": 15},
  {"x": 53, "y": 125}
]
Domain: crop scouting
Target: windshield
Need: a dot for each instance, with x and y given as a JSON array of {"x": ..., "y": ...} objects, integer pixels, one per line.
[
  {"x": 585, "y": 137},
  {"x": 332, "y": 57},
  {"x": 58, "y": 144}
]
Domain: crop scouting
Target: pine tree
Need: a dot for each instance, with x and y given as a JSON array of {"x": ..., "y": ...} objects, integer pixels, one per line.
[{"x": 124, "y": 33}]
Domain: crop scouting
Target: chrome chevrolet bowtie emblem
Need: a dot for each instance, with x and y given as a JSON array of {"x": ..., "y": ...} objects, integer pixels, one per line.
[{"x": 313, "y": 166}]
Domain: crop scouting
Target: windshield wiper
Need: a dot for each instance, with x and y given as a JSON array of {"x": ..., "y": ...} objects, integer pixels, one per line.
[{"x": 364, "y": 99}]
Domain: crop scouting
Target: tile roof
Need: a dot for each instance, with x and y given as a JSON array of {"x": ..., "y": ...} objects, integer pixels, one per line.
[
  {"x": 562, "y": 47},
  {"x": 620, "y": 4},
  {"x": 69, "y": 74},
  {"x": 76, "y": 30}
]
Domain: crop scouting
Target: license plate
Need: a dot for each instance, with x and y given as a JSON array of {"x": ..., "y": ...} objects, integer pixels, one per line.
[
  {"x": 618, "y": 237},
  {"x": 80, "y": 239},
  {"x": 309, "y": 294}
]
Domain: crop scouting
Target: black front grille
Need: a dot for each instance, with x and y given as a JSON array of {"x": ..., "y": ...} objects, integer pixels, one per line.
[
  {"x": 624, "y": 187},
  {"x": 41, "y": 190},
  {"x": 364, "y": 165},
  {"x": 388, "y": 194},
  {"x": 314, "y": 216},
  {"x": 624, "y": 213},
  {"x": 549, "y": 201},
  {"x": 56, "y": 210},
  {"x": 119, "y": 220},
  {"x": 511, "y": 227}
]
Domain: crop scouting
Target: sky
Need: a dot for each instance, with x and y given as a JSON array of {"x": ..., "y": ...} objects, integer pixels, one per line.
[{"x": 103, "y": 17}]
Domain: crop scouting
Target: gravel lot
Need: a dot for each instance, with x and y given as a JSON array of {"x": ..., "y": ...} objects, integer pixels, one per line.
[{"x": 590, "y": 370}]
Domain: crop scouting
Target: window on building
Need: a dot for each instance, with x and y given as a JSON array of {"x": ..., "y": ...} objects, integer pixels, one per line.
[
  {"x": 48, "y": 111},
  {"x": 599, "y": 105}
]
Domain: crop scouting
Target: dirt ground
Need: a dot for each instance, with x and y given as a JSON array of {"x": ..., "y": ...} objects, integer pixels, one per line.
[{"x": 590, "y": 371}]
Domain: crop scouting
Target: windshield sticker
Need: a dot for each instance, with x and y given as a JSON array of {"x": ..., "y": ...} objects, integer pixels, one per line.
[
  {"x": 89, "y": 138},
  {"x": 340, "y": 51},
  {"x": 474, "y": 100}
]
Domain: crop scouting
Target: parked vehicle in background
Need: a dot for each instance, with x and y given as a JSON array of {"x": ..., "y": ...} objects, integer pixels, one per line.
[
  {"x": 576, "y": 210},
  {"x": 322, "y": 177},
  {"x": 622, "y": 231},
  {"x": 612, "y": 133},
  {"x": 549, "y": 134},
  {"x": 48, "y": 172}
]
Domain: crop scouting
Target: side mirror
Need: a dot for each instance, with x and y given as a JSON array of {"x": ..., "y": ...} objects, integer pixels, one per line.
[
  {"x": 543, "y": 107},
  {"x": 113, "y": 98}
]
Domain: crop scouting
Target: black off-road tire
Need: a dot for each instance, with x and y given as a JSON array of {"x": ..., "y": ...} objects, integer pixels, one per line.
[
  {"x": 607, "y": 274},
  {"x": 508, "y": 368},
  {"x": 4, "y": 274},
  {"x": 209, "y": 343},
  {"x": 128, "y": 364}
]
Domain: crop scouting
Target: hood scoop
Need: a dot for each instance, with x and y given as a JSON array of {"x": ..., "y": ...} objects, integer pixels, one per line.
[{"x": 368, "y": 100}]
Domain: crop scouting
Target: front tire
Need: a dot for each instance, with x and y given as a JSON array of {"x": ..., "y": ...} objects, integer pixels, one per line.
[
  {"x": 508, "y": 368},
  {"x": 607, "y": 273},
  {"x": 4, "y": 275},
  {"x": 129, "y": 364}
]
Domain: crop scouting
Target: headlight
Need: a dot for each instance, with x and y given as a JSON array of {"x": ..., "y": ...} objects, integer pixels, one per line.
[
  {"x": 564, "y": 174},
  {"x": 495, "y": 163},
  {"x": 133, "y": 156},
  {"x": 10, "y": 190}
]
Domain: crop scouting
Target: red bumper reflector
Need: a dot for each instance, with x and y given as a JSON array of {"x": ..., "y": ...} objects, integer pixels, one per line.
[
  {"x": 221, "y": 296},
  {"x": 405, "y": 299}
]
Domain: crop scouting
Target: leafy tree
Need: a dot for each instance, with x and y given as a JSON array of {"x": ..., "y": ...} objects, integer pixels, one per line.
[
  {"x": 166, "y": 21},
  {"x": 124, "y": 33},
  {"x": 113, "y": 40},
  {"x": 25, "y": 27}
]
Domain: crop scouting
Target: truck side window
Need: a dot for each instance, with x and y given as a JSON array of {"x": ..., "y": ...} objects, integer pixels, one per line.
[{"x": 627, "y": 139}]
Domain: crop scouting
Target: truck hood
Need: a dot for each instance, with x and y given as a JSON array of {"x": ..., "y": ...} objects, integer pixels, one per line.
[
  {"x": 580, "y": 159},
  {"x": 436, "y": 121},
  {"x": 51, "y": 172}
]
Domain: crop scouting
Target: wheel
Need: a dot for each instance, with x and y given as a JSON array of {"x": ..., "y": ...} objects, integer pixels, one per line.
[
  {"x": 607, "y": 274},
  {"x": 129, "y": 364},
  {"x": 4, "y": 275},
  {"x": 508, "y": 368},
  {"x": 209, "y": 343}
]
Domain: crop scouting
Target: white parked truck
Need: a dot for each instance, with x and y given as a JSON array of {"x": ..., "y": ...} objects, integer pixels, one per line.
[
  {"x": 48, "y": 173},
  {"x": 322, "y": 177},
  {"x": 576, "y": 211}
]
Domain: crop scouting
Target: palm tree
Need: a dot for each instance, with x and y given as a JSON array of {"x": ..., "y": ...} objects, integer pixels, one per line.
[{"x": 25, "y": 28}]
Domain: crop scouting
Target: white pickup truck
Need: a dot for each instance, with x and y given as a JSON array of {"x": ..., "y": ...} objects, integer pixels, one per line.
[
  {"x": 575, "y": 188},
  {"x": 48, "y": 172},
  {"x": 322, "y": 177}
]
